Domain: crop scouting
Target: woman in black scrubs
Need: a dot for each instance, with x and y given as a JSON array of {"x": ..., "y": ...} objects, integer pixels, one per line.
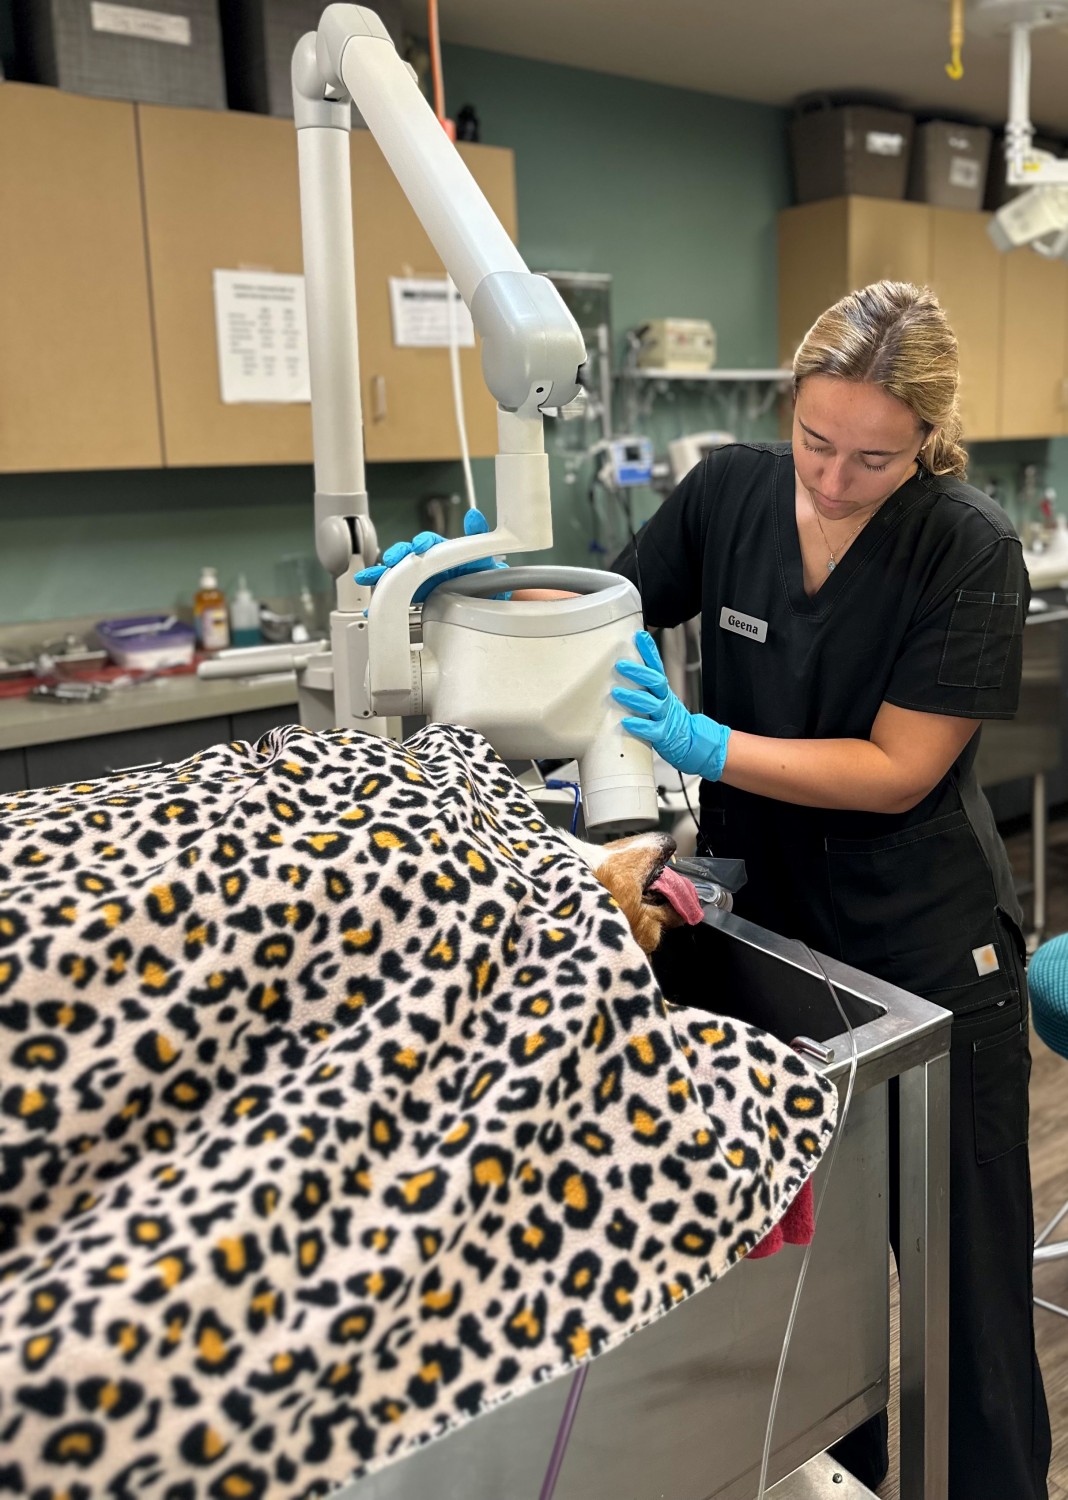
[{"x": 862, "y": 613}]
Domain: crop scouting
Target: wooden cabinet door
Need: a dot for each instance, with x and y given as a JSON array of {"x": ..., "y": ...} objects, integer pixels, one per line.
[
  {"x": 831, "y": 248},
  {"x": 813, "y": 240},
  {"x": 966, "y": 276},
  {"x": 77, "y": 384},
  {"x": 221, "y": 193},
  {"x": 888, "y": 241},
  {"x": 1034, "y": 316},
  {"x": 408, "y": 408}
]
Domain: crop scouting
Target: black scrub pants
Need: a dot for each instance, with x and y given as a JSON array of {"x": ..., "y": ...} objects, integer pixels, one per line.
[{"x": 999, "y": 1434}]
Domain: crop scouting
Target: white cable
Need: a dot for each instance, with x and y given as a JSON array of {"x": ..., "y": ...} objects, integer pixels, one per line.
[
  {"x": 458, "y": 393},
  {"x": 791, "y": 1320}
]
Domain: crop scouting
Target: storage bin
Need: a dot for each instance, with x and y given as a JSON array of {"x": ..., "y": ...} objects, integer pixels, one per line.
[
  {"x": 157, "y": 51},
  {"x": 148, "y": 643},
  {"x": 949, "y": 164},
  {"x": 258, "y": 41},
  {"x": 849, "y": 149}
]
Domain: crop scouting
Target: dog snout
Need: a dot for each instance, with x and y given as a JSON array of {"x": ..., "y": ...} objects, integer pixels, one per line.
[{"x": 666, "y": 846}]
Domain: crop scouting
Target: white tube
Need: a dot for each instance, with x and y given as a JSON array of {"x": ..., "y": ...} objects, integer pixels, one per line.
[
  {"x": 458, "y": 394},
  {"x": 330, "y": 292},
  {"x": 1018, "y": 129},
  {"x": 447, "y": 200}
]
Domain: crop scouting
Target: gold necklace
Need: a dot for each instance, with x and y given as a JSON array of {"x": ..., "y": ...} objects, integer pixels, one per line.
[{"x": 832, "y": 561}]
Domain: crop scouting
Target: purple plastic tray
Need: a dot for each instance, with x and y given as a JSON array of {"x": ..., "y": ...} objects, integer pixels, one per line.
[{"x": 155, "y": 640}]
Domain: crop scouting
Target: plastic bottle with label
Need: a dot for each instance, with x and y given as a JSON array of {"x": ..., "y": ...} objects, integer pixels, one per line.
[
  {"x": 244, "y": 616},
  {"x": 209, "y": 613}
]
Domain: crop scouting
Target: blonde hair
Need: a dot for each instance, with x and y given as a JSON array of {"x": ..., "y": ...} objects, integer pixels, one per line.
[{"x": 894, "y": 335}]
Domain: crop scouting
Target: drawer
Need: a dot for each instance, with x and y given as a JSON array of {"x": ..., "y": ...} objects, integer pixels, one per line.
[
  {"x": 250, "y": 726},
  {"x": 100, "y": 755},
  {"x": 13, "y": 771}
]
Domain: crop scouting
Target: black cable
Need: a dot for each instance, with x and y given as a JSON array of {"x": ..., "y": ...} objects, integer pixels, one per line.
[
  {"x": 628, "y": 516},
  {"x": 689, "y": 806}
]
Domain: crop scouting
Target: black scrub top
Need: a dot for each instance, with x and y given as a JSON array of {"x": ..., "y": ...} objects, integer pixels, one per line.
[{"x": 926, "y": 611}]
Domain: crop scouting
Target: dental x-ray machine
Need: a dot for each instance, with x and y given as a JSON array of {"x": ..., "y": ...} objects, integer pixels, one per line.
[{"x": 533, "y": 676}]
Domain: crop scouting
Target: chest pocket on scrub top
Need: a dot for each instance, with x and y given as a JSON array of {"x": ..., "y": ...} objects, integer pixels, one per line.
[
  {"x": 980, "y": 634},
  {"x": 916, "y": 906}
]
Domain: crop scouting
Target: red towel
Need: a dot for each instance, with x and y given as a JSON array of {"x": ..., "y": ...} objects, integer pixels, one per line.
[{"x": 794, "y": 1228}]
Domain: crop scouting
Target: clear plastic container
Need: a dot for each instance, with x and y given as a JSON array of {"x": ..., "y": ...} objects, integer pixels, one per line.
[{"x": 244, "y": 616}]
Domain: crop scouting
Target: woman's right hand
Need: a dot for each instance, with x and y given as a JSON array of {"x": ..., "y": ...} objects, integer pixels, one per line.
[{"x": 475, "y": 524}]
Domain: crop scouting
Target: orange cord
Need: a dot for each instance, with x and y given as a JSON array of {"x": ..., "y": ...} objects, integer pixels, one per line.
[{"x": 435, "y": 59}]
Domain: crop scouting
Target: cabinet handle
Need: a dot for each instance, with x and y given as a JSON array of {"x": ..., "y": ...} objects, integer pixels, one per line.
[
  {"x": 149, "y": 765},
  {"x": 378, "y": 398}
]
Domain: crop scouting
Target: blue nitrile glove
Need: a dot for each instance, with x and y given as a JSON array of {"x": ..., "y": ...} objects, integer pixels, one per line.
[
  {"x": 475, "y": 524},
  {"x": 692, "y": 743}
]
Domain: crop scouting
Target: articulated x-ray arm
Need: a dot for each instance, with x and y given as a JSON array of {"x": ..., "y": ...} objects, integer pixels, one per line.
[{"x": 531, "y": 346}]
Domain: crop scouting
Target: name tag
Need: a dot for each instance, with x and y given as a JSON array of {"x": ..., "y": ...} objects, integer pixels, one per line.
[{"x": 730, "y": 619}]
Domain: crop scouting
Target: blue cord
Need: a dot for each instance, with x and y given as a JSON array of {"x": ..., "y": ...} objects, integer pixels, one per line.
[{"x": 572, "y": 786}]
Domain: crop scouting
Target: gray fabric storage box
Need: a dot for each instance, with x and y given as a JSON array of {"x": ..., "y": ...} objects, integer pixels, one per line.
[
  {"x": 258, "y": 40},
  {"x": 847, "y": 149},
  {"x": 949, "y": 164},
  {"x": 157, "y": 51}
]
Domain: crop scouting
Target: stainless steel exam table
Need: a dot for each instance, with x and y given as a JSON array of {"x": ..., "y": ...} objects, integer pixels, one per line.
[{"x": 678, "y": 1411}]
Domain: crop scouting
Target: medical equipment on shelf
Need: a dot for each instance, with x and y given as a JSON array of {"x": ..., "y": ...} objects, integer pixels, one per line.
[
  {"x": 531, "y": 353},
  {"x": 676, "y": 344},
  {"x": 688, "y": 451},
  {"x": 1038, "y": 217},
  {"x": 627, "y": 461}
]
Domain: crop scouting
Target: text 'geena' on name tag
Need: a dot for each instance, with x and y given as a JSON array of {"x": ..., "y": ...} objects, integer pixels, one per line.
[{"x": 731, "y": 619}]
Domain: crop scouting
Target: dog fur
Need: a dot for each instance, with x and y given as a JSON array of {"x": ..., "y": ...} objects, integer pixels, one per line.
[{"x": 627, "y": 868}]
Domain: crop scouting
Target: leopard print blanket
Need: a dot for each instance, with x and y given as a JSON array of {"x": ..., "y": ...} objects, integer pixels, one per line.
[{"x": 338, "y": 1104}]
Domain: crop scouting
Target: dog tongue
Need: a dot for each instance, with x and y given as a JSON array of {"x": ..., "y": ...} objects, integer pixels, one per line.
[{"x": 680, "y": 894}]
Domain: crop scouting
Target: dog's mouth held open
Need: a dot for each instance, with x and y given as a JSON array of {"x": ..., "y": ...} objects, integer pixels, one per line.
[{"x": 638, "y": 873}]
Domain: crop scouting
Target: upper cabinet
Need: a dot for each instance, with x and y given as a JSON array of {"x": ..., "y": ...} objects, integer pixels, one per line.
[
  {"x": 77, "y": 383},
  {"x": 1009, "y": 312},
  {"x": 408, "y": 409},
  {"x": 966, "y": 272},
  {"x": 221, "y": 194},
  {"x": 1034, "y": 317},
  {"x": 114, "y": 218}
]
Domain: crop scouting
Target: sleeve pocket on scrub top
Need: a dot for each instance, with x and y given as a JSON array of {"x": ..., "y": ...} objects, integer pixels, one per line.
[
  {"x": 981, "y": 629},
  {"x": 1001, "y": 1069}
]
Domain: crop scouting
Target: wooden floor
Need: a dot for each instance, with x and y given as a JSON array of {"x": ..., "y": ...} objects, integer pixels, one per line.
[{"x": 1049, "y": 1171}]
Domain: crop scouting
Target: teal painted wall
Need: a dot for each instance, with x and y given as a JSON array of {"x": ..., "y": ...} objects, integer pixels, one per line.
[{"x": 675, "y": 193}]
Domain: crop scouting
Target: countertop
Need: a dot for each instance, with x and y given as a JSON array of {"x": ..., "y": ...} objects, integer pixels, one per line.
[
  {"x": 175, "y": 700},
  {"x": 167, "y": 700}
]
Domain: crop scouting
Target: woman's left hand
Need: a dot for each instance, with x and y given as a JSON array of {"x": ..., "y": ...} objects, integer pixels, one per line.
[{"x": 692, "y": 743}]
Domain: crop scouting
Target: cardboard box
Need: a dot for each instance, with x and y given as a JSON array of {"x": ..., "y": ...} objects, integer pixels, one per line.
[
  {"x": 258, "y": 41},
  {"x": 156, "y": 51},
  {"x": 844, "y": 150},
  {"x": 949, "y": 164}
]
